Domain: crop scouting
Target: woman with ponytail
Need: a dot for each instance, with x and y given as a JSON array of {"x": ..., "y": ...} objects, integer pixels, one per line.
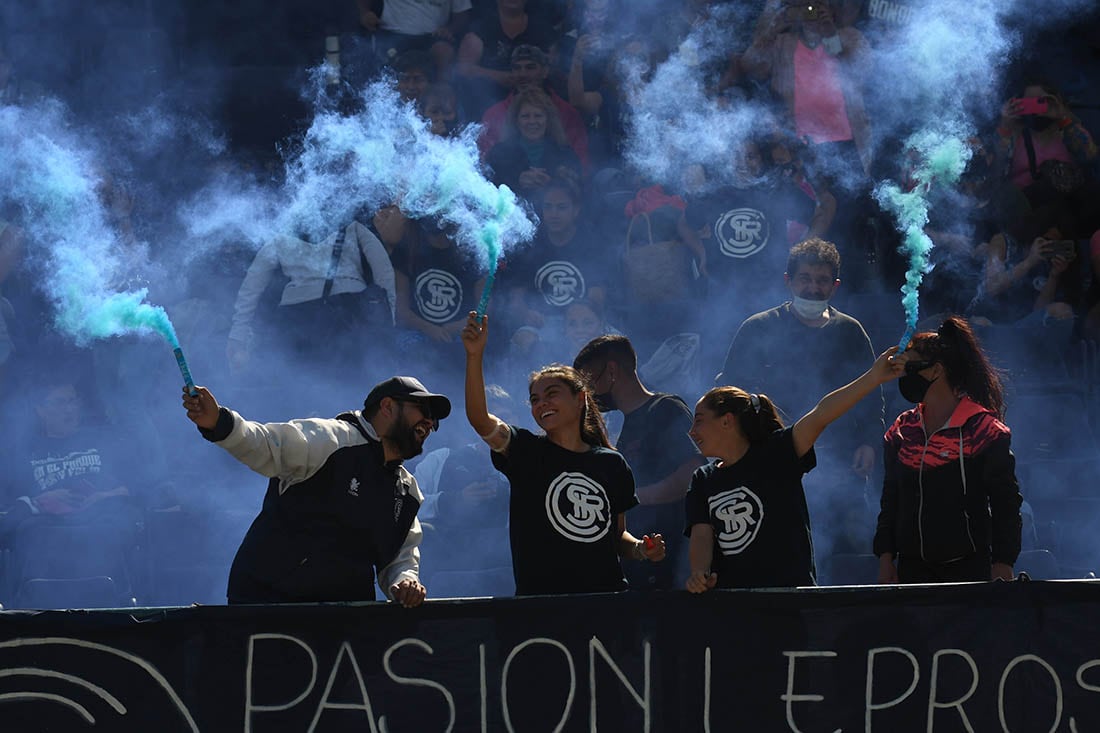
[
  {"x": 569, "y": 488},
  {"x": 746, "y": 510},
  {"x": 950, "y": 501}
]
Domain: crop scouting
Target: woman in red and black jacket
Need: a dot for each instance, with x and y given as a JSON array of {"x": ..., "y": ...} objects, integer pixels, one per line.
[{"x": 950, "y": 500}]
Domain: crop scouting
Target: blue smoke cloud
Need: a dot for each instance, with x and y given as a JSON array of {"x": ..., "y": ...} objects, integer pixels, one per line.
[
  {"x": 675, "y": 121},
  {"x": 348, "y": 162},
  {"x": 51, "y": 176},
  {"x": 941, "y": 74}
]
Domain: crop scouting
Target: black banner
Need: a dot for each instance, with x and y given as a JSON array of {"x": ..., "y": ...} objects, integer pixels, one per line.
[{"x": 1020, "y": 657}]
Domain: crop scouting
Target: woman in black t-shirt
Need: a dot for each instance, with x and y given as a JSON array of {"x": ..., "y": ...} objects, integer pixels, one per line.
[
  {"x": 746, "y": 511},
  {"x": 569, "y": 489}
]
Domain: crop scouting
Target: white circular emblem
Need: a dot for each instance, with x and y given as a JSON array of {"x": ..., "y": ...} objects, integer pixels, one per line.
[
  {"x": 738, "y": 515},
  {"x": 742, "y": 232},
  {"x": 560, "y": 282},
  {"x": 578, "y": 508},
  {"x": 438, "y": 296}
]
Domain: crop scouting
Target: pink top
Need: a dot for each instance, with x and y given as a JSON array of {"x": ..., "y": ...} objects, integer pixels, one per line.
[
  {"x": 819, "y": 109},
  {"x": 1020, "y": 172}
]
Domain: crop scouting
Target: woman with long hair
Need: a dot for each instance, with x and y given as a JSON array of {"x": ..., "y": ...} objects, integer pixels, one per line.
[
  {"x": 569, "y": 488},
  {"x": 746, "y": 510},
  {"x": 950, "y": 501},
  {"x": 533, "y": 149}
]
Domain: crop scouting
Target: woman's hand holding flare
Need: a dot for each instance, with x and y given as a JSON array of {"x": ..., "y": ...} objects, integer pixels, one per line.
[{"x": 475, "y": 334}]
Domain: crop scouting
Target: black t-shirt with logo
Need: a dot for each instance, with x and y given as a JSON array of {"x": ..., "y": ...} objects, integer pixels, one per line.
[
  {"x": 747, "y": 245},
  {"x": 757, "y": 508},
  {"x": 654, "y": 441},
  {"x": 554, "y": 277},
  {"x": 563, "y": 515},
  {"x": 442, "y": 283}
]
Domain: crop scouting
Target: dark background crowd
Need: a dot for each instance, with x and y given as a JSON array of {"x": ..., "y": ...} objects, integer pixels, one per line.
[{"x": 107, "y": 493}]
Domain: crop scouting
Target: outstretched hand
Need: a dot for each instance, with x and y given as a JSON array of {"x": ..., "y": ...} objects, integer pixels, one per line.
[
  {"x": 476, "y": 334},
  {"x": 889, "y": 365},
  {"x": 202, "y": 409}
]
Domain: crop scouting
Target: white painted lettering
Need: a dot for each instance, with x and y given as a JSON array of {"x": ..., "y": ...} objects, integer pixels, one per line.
[
  {"x": 594, "y": 647},
  {"x": 872, "y": 706},
  {"x": 934, "y": 704},
  {"x": 249, "y": 706},
  {"x": 706, "y": 691},
  {"x": 1053, "y": 675},
  {"x": 789, "y": 697},
  {"x": 1084, "y": 686},
  {"x": 484, "y": 688},
  {"x": 572, "y": 681},
  {"x": 416, "y": 681},
  {"x": 364, "y": 704}
]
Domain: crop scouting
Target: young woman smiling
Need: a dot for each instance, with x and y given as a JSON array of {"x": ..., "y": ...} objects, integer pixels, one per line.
[
  {"x": 569, "y": 489},
  {"x": 746, "y": 511}
]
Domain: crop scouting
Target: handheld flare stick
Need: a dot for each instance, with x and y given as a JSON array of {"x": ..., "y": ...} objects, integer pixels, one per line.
[
  {"x": 187, "y": 380},
  {"x": 483, "y": 304}
]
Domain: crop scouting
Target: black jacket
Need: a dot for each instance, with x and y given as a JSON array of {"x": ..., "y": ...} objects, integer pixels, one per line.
[
  {"x": 334, "y": 512},
  {"x": 952, "y": 493}
]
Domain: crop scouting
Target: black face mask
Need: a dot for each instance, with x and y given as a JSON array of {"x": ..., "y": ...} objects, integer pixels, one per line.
[
  {"x": 914, "y": 387},
  {"x": 605, "y": 402},
  {"x": 1038, "y": 124}
]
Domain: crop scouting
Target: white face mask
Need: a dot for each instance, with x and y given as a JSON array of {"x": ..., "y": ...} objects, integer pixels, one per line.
[{"x": 811, "y": 310}]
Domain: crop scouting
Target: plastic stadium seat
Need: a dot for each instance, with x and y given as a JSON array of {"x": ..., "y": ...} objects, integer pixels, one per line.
[{"x": 93, "y": 592}]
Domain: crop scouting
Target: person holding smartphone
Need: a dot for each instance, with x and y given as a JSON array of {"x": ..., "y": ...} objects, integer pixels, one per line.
[
  {"x": 1047, "y": 153},
  {"x": 1032, "y": 277}
]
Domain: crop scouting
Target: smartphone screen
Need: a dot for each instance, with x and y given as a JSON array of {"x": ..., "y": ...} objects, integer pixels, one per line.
[{"x": 1032, "y": 105}]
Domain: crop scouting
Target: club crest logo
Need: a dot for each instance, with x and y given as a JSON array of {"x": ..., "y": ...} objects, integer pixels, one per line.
[
  {"x": 577, "y": 507},
  {"x": 742, "y": 232},
  {"x": 738, "y": 515},
  {"x": 560, "y": 283},
  {"x": 438, "y": 296}
]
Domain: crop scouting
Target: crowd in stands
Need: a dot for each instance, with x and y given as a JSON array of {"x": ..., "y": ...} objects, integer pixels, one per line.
[{"x": 688, "y": 269}]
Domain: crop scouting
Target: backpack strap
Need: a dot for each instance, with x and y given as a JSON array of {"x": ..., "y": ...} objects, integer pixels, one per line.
[
  {"x": 364, "y": 266},
  {"x": 1029, "y": 145},
  {"x": 337, "y": 250},
  {"x": 630, "y": 228}
]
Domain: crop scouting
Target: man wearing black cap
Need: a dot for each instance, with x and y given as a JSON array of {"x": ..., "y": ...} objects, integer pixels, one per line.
[{"x": 340, "y": 506}]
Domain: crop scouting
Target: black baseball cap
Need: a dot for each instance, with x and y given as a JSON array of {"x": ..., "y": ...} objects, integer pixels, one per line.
[{"x": 409, "y": 388}]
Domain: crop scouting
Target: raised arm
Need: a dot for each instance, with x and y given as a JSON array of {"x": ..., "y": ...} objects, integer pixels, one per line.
[
  {"x": 491, "y": 428},
  {"x": 291, "y": 452},
  {"x": 839, "y": 401},
  {"x": 587, "y": 102}
]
